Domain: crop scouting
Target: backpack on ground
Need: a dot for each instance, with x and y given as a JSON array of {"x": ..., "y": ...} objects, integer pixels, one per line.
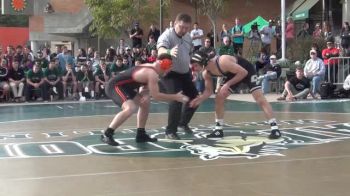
[{"x": 327, "y": 90}]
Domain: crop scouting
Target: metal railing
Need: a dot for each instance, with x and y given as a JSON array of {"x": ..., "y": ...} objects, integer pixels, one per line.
[{"x": 337, "y": 70}]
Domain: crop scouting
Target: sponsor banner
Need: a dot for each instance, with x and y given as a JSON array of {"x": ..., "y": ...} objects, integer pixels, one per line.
[{"x": 17, "y": 7}]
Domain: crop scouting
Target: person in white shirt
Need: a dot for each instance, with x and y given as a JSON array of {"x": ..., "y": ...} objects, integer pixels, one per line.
[
  {"x": 267, "y": 34},
  {"x": 196, "y": 35},
  {"x": 346, "y": 84},
  {"x": 314, "y": 70}
]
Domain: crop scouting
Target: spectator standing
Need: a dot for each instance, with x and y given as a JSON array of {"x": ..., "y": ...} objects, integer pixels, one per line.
[
  {"x": 345, "y": 38},
  {"x": 331, "y": 64},
  {"x": 121, "y": 48},
  {"x": 304, "y": 33},
  {"x": 136, "y": 35},
  {"x": 327, "y": 30},
  {"x": 154, "y": 32},
  {"x": 237, "y": 37},
  {"x": 196, "y": 35},
  {"x": 278, "y": 35},
  {"x": 65, "y": 58},
  {"x": 317, "y": 33},
  {"x": 267, "y": 33},
  {"x": 224, "y": 33},
  {"x": 290, "y": 34}
]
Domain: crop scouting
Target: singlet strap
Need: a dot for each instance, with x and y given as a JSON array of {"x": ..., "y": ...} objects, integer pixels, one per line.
[{"x": 218, "y": 65}]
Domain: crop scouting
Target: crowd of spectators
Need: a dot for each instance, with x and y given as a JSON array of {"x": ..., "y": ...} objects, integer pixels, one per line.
[{"x": 58, "y": 75}]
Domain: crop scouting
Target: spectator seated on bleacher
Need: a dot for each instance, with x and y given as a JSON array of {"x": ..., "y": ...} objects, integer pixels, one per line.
[
  {"x": 85, "y": 80},
  {"x": 102, "y": 75},
  {"x": 53, "y": 83},
  {"x": 35, "y": 84},
  {"x": 17, "y": 81},
  {"x": 69, "y": 81},
  {"x": 314, "y": 70},
  {"x": 271, "y": 71},
  {"x": 296, "y": 87},
  {"x": 4, "y": 85},
  {"x": 263, "y": 59}
]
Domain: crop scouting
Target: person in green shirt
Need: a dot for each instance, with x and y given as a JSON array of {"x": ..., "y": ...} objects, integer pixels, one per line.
[
  {"x": 53, "y": 83},
  {"x": 118, "y": 66},
  {"x": 69, "y": 79},
  {"x": 226, "y": 48},
  {"x": 35, "y": 81},
  {"x": 102, "y": 76},
  {"x": 85, "y": 80},
  {"x": 41, "y": 60}
]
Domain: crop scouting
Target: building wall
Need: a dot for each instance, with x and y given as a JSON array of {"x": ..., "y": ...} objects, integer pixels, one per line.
[{"x": 13, "y": 36}]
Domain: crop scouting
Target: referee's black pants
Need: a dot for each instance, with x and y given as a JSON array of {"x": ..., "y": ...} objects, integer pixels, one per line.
[{"x": 179, "y": 114}]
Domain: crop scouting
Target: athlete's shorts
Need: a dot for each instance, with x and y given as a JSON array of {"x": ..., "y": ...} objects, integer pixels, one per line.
[
  {"x": 250, "y": 80},
  {"x": 119, "y": 93}
]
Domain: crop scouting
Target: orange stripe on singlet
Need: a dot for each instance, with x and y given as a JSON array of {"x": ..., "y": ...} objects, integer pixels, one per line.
[{"x": 120, "y": 93}]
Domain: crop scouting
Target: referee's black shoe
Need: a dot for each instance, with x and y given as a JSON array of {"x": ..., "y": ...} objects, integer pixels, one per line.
[
  {"x": 185, "y": 129},
  {"x": 108, "y": 139},
  {"x": 141, "y": 138},
  {"x": 172, "y": 136},
  {"x": 217, "y": 133}
]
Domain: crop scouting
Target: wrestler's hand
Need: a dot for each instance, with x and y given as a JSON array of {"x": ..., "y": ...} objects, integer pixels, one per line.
[
  {"x": 195, "y": 102},
  {"x": 224, "y": 90},
  {"x": 181, "y": 97}
]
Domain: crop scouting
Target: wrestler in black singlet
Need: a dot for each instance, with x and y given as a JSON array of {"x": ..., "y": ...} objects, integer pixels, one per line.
[{"x": 250, "y": 80}]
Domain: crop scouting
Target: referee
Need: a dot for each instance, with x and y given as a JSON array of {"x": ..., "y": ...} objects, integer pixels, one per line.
[{"x": 178, "y": 43}]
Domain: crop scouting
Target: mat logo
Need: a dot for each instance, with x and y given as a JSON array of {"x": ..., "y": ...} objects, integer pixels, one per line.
[{"x": 235, "y": 147}]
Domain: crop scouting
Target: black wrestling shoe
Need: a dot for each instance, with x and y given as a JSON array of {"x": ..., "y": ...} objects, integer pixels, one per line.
[
  {"x": 185, "y": 129},
  {"x": 141, "y": 138},
  {"x": 217, "y": 133},
  {"x": 108, "y": 139},
  {"x": 275, "y": 134},
  {"x": 172, "y": 136}
]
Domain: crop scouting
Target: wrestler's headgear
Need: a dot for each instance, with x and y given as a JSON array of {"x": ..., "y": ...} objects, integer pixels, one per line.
[
  {"x": 165, "y": 61},
  {"x": 200, "y": 57}
]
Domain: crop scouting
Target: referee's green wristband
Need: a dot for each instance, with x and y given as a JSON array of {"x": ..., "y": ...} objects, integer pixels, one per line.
[{"x": 168, "y": 51}]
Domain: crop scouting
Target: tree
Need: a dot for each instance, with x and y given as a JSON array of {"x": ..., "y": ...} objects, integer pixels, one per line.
[
  {"x": 112, "y": 17},
  {"x": 211, "y": 9}
]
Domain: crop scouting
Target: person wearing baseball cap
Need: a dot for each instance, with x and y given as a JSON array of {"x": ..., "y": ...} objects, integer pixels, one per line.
[{"x": 314, "y": 70}]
